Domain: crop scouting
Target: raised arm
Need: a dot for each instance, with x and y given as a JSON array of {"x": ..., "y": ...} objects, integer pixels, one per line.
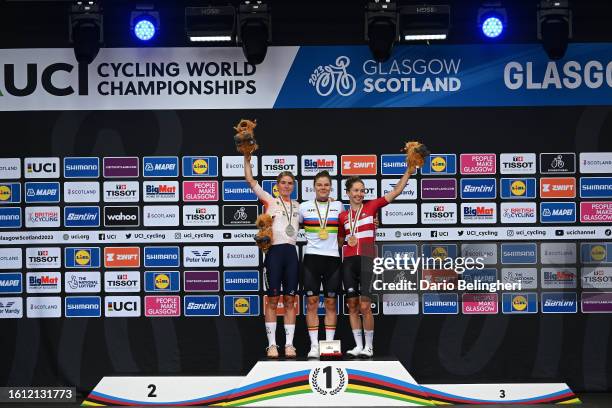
[
  {"x": 399, "y": 187},
  {"x": 248, "y": 171}
]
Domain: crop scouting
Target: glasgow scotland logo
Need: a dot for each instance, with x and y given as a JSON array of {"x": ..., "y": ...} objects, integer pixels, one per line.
[{"x": 330, "y": 78}]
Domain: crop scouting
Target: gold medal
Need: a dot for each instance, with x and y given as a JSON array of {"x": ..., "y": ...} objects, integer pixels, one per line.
[
  {"x": 352, "y": 240},
  {"x": 323, "y": 234}
]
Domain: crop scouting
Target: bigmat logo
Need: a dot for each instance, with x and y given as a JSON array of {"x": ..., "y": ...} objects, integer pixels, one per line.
[
  {"x": 272, "y": 165},
  {"x": 517, "y": 188},
  {"x": 557, "y": 163},
  {"x": 10, "y": 258},
  {"x": 81, "y": 167},
  {"x": 238, "y": 191},
  {"x": 160, "y": 191},
  {"x": 41, "y": 167},
  {"x": 166, "y": 281},
  {"x": 10, "y": 168},
  {"x": 479, "y": 163},
  {"x": 439, "y": 213},
  {"x": 11, "y": 283},
  {"x": 10, "y": 193},
  {"x": 201, "y": 190},
  {"x": 83, "y": 306},
  {"x": 11, "y": 308},
  {"x": 42, "y": 217},
  {"x": 359, "y": 165},
  {"x": 480, "y": 303},
  {"x": 44, "y": 307},
  {"x": 162, "y": 306},
  {"x": 161, "y": 257},
  {"x": 160, "y": 166},
  {"x": 43, "y": 258},
  {"x": 440, "y": 303},
  {"x": 393, "y": 164},
  {"x": 202, "y": 215},
  {"x": 200, "y": 166},
  {"x": 519, "y": 253},
  {"x": 121, "y": 191},
  {"x": 517, "y": 163},
  {"x": 82, "y": 257},
  {"x": 558, "y": 187},
  {"x": 81, "y": 192},
  {"x": 81, "y": 217},
  {"x": 117, "y": 167},
  {"x": 518, "y": 213},
  {"x": 312, "y": 164},
  {"x": 519, "y": 303},
  {"x": 122, "y": 306},
  {"x": 558, "y": 278},
  {"x": 82, "y": 282},
  {"x": 560, "y": 302},
  {"x": 595, "y": 211},
  {"x": 122, "y": 216},
  {"x": 440, "y": 164},
  {"x": 202, "y": 306},
  {"x": 270, "y": 186},
  {"x": 600, "y": 162},
  {"x": 478, "y": 213},
  {"x": 123, "y": 281},
  {"x": 241, "y": 305},
  {"x": 233, "y": 166},
  {"x": 10, "y": 217},
  {"x": 557, "y": 212},
  {"x": 201, "y": 281},
  {"x": 596, "y": 252},
  {"x": 596, "y": 187},
  {"x": 122, "y": 257},
  {"x": 241, "y": 281},
  {"x": 478, "y": 188}
]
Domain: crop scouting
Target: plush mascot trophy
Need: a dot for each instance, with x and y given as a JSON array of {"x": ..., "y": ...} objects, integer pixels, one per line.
[{"x": 416, "y": 153}]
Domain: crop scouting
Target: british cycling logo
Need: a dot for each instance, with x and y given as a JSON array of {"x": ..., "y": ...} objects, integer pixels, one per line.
[{"x": 329, "y": 78}]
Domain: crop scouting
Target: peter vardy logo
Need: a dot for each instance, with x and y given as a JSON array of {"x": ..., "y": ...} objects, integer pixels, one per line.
[
  {"x": 557, "y": 212},
  {"x": 160, "y": 166},
  {"x": 334, "y": 78},
  {"x": 202, "y": 305},
  {"x": 81, "y": 167},
  {"x": 42, "y": 192},
  {"x": 161, "y": 257},
  {"x": 81, "y": 217}
]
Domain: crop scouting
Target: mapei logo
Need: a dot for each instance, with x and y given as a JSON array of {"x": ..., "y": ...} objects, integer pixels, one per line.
[
  {"x": 359, "y": 165},
  {"x": 440, "y": 164},
  {"x": 238, "y": 305},
  {"x": 41, "y": 192},
  {"x": 81, "y": 217},
  {"x": 122, "y": 257},
  {"x": 10, "y": 193},
  {"x": 81, "y": 167},
  {"x": 11, "y": 283},
  {"x": 517, "y": 188},
  {"x": 76, "y": 257},
  {"x": 41, "y": 167},
  {"x": 478, "y": 188},
  {"x": 160, "y": 166},
  {"x": 200, "y": 166},
  {"x": 556, "y": 212},
  {"x": 333, "y": 78}
]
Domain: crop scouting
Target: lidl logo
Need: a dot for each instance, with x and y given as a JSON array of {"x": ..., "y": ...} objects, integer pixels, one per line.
[
  {"x": 271, "y": 187},
  {"x": 440, "y": 164},
  {"x": 241, "y": 305},
  {"x": 596, "y": 252},
  {"x": 440, "y": 250},
  {"x": 10, "y": 193},
  {"x": 82, "y": 257},
  {"x": 167, "y": 281},
  {"x": 519, "y": 303},
  {"x": 518, "y": 188},
  {"x": 201, "y": 166}
]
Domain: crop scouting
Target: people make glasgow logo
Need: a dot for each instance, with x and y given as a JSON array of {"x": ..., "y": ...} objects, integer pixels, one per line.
[{"x": 330, "y": 78}]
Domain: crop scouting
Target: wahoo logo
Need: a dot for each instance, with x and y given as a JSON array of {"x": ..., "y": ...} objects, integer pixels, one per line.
[
  {"x": 81, "y": 167},
  {"x": 161, "y": 257},
  {"x": 121, "y": 216},
  {"x": 10, "y": 193},
  {"x": 81, "y": 217},
  {"x": 160, "y": 166},
  {"x": 557, "y": 212},
  {"x": 478, "y": 188},
  {"x": 42, "y": 192},
  {"x": 41, "y": 167}
]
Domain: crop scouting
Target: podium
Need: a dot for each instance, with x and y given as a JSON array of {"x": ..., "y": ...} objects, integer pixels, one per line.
[{"x": 307, "y": 383}]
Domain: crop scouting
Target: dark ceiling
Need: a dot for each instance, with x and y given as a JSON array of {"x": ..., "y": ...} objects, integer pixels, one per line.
[{"x": 26, "y": 24}]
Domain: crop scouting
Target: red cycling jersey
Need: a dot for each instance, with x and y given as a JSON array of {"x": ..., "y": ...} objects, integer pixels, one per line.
[{"x": 365, "y": 230}]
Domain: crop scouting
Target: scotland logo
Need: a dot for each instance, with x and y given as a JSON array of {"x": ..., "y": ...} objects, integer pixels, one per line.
[{"x": 332, "y": 78}]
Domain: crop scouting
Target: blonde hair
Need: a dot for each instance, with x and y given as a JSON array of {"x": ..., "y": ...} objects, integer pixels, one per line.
[{"x": 283, "y": 174}]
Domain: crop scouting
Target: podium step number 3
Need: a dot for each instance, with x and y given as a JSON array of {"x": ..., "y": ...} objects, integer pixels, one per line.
[{"x": 317, "y": 383}]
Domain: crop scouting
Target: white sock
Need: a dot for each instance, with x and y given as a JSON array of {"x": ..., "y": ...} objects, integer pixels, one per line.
[
  {"x": 358, "y": 339},
  {"x": 330, "y": 331},
  {"x": 313, "y": 332},
  {"x": 369, "y": 338},
  {"x": 271, "y": 332},
  {"x": 289, "y": 330}
]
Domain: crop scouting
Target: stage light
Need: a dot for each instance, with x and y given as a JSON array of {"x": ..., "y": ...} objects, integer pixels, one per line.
[
  {"x": 254, "y": 30},
  {"x": 554, "y": 27},
  {"x": 424, "y": 22},
  {"x": 492, "y": 19},
  {"x": 381, "y": 28},
  {"x": 86, "y": 30},
  {"x": 210, "y": 24},
  {"x": 144, "y": 22}
]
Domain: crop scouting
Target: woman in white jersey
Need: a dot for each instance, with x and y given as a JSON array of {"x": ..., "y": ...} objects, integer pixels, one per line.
[
  {"x": 281, "y": 262},
  {"x": 321, "y": 262}
]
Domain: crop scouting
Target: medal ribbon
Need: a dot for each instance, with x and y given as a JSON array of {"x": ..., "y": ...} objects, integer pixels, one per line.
[
  {"x": 290, "y": 210},
  {"x": 322, "y": 224},
  {"x": 353, "y": 222}
]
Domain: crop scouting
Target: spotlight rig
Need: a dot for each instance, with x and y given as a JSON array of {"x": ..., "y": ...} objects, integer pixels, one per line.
[{"x": 86, "y": 29}]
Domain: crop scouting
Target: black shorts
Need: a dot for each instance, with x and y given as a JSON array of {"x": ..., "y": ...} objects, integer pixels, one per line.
[
  {"x": 282, "y": 269},
  {"x": 357, "y": 276},
  {"x": 321, "y": 268}
]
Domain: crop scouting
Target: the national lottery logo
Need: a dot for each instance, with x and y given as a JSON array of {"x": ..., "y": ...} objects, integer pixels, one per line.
[{"x": 334, "y": 78}]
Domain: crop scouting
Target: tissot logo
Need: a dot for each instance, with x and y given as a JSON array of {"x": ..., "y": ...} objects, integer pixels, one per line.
[
  {"x": 272, "y": 165},
  {"x": 121, "y": 191},
  {"x": 121, "y": 216},
  {"x": 200, "y": 215}
]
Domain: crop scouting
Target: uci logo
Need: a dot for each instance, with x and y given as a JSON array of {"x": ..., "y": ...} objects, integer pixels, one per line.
[
  {"x": 49, "y": 77},
  {"x": 333, "y": 78}
]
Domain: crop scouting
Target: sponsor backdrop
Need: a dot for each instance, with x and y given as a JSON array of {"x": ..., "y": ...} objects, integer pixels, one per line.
[{"x": 127, "y": 234}]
